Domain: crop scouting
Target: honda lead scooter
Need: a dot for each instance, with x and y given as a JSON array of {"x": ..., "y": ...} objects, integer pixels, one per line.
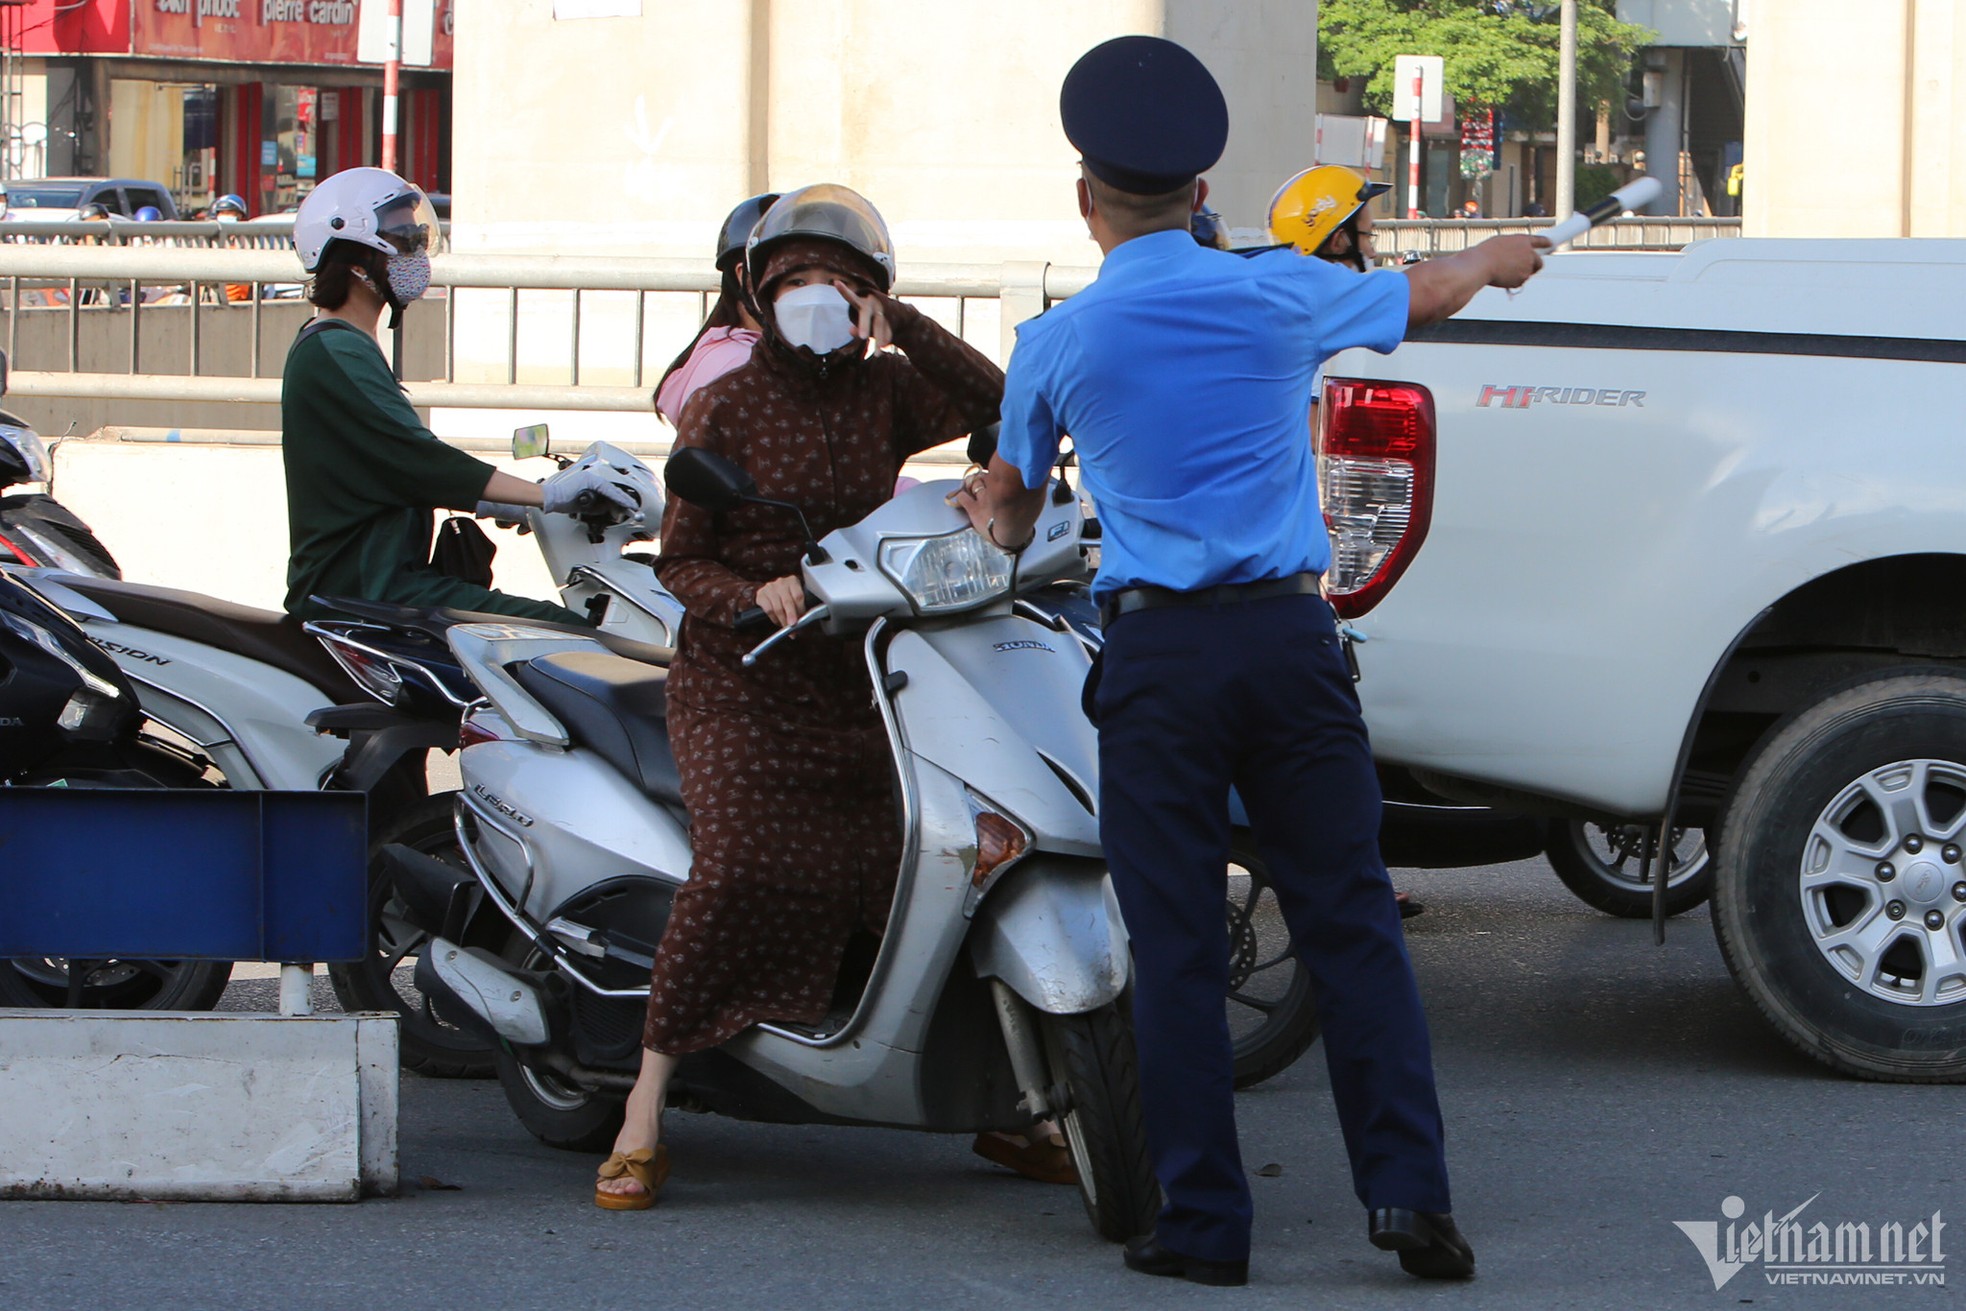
[{"x": 995, "y": 1000}]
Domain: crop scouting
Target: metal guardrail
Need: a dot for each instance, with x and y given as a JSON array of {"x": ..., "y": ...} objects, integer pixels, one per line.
[
  {"x": 204, "y": 272},
  {"x": 247, "y": 234}
]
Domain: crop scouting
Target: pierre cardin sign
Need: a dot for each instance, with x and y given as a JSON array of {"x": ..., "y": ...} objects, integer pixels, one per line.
[{"x": 319, "y": 32}]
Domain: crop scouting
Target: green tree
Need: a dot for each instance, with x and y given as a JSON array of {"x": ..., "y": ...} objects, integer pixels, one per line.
[{"x": 1498, "y": 53}]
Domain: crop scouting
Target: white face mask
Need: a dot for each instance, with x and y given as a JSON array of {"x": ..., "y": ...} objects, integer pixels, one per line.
[{"x": 816, "y": 317}]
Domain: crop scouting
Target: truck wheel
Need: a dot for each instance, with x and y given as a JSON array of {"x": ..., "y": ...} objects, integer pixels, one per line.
[
  {"x": 1272, "y": 1011},
  {"x": 382, "y": 982},
  {"x": 1601, "y": 864},
  {"x": 1091, "y": 1059},
  {"x": 1841, "y": 894}
]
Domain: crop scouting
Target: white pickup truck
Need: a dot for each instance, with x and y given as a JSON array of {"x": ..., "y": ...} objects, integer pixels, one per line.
[{"x": 1680, "y": 540}]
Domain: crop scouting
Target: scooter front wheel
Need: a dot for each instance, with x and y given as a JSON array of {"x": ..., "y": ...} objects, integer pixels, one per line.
[
  {"x": 383, "y": 980},
  {"x": 1091, "y": 1059}
]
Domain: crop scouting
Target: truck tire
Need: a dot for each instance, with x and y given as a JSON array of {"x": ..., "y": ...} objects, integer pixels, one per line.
[
  {"x": 1272, "y": 1010},
  {"x": 1600, "y": 863},
  {"x": 381, "y": 982},
  {"x": 1091, "y": 1060},
  {"x": 1840, "y": 896}
]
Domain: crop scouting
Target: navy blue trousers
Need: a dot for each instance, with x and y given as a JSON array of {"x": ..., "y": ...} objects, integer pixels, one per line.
[{"x": 1189, "y": 701}]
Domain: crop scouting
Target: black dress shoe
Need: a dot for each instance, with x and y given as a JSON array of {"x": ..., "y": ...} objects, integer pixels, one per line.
[
  {"x": 1427, "y": 1242},
  {"x": 1148, "y": 1257}
]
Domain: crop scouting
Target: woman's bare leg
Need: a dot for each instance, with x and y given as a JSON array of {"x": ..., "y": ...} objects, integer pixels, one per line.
[{"x": 641, "y": 1123}]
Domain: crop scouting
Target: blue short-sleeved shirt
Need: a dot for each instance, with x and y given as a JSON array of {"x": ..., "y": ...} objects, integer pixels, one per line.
[{"x": 1184, "y": 375}]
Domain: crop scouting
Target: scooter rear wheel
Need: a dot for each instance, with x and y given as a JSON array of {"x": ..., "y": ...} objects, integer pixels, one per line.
[
  {"x": 381, "y": 982},
  {"x": 1273, "y": 1016},
  {"x": 1091, "y": 1059},
  {"x": 558, "y": 1113},
  {"x": 554, "y": 1111}
]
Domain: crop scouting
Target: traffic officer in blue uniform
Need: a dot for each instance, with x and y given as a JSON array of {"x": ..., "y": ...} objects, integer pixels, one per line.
[{"x": 1183, "y": 375}]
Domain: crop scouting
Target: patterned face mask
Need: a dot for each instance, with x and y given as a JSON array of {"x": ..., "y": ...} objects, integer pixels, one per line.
[{"x": 409, "y": 277}]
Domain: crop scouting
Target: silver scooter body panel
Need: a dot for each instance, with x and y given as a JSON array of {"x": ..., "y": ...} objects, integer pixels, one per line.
[
  {"x": 1053, "y": 933},
  {"x": 249, "y": 717},
  {"x": 996, "y": 701},
  {"x": 1045, "y": 924},
  {"x": 558, "y": 822}
]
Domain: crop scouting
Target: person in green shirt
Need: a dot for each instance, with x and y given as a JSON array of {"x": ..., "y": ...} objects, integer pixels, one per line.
[{"x": 363, "y": 473}]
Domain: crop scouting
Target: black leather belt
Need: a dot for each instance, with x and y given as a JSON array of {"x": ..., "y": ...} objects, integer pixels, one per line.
[{"x": 1127, "y": 600}]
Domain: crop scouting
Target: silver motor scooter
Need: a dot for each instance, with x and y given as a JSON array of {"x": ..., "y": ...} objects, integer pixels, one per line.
[{"x": 995, "y": 997}]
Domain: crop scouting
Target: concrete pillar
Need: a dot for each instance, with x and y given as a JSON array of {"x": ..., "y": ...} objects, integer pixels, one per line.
[{"x": 1665, "y": 125}]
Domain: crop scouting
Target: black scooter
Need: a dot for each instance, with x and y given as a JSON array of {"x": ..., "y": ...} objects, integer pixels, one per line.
[{"x": 35, "y": 528}]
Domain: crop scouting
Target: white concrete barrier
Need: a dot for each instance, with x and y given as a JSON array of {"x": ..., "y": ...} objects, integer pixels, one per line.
[{"x": 205, "y": 1107}]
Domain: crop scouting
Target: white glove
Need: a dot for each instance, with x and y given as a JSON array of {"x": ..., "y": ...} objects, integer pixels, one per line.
[
  {"x": 583, "y": 491},
  {"x": 501, "y": 511}
]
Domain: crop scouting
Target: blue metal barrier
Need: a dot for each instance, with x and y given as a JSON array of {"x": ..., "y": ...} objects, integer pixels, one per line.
[{"x": 207, "y": 874}]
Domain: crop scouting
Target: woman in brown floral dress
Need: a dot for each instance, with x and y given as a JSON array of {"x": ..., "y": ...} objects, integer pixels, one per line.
[{"x": 785, "y": 766}]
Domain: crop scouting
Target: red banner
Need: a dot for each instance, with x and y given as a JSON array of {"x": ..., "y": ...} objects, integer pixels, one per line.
[{"x": 319, "y": 32}]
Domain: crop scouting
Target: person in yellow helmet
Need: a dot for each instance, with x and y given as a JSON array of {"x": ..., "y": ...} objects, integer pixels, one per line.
[
  {"x": 1322, "y": 211},
  {"x": 1325, "y": 212}
]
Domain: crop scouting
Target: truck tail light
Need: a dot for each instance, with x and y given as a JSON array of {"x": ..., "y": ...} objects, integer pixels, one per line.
[{"x": 1375, "y": 469}]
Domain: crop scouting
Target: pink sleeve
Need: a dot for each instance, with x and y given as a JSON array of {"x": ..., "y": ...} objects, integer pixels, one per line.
[{"x": 720, "y": 351}]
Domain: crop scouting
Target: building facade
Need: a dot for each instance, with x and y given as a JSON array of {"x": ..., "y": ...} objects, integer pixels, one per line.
[
  {"x": 1856, "y": 123},
  {"x": 257, "y": 97},
  {"x": 634, "y": 125}
]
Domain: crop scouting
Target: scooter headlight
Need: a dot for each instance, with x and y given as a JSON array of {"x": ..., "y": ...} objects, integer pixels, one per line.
[
  {"x": 942, "y": 575},
  {"x": 32, "y": 450}
]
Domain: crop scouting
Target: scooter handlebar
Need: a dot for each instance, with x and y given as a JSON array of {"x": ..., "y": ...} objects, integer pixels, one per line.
[{"x": 753, "y": 619}]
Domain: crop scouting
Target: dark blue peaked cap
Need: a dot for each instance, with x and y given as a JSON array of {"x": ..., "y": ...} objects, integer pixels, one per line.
[{"x": 1145, "y": 114}]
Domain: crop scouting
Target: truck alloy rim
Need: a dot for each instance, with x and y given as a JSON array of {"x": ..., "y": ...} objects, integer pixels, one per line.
[{"x": 1882, "y": 883}]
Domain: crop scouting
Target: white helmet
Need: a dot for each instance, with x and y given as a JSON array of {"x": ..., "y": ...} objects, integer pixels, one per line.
[{"x": 370, "y": 207}]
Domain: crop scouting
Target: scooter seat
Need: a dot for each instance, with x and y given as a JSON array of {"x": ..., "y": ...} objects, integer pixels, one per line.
[
  {"x": 437, "y": 622},
  {"x": 267, "y": 636},
  {"x": 615, "y": 708}
]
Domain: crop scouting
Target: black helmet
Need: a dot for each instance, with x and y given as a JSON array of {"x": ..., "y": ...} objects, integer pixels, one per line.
[
  {"x": 737, "y": 228},
  {"x": 829, "y": 212}
]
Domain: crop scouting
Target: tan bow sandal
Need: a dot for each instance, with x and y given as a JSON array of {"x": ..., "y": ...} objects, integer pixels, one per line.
[{"x": 648, "y": 1167}]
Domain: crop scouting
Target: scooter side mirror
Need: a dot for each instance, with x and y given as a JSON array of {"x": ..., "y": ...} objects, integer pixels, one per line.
[
  {"x": 706, "y": 479},
  {"x": 3, "y": 373},
  {"x": 532, "y": 440}
]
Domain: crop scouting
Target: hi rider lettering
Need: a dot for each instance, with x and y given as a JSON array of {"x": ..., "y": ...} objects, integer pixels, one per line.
[{"x": 1521, "y": 398}]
